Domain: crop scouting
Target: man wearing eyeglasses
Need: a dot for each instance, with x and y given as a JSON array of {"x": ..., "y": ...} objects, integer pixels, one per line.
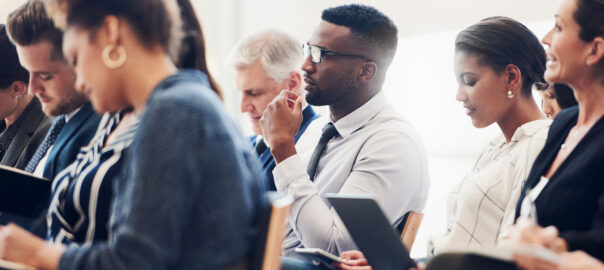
[
  {"x": 368, "y": 148},
  {"x": 266, "y": 63}
]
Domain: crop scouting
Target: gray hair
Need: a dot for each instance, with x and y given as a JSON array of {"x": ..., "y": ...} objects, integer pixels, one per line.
[{"x": 279, "y": 53}]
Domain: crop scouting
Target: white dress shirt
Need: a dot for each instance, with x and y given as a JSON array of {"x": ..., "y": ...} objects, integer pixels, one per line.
[
  {"x": 377, "y": 152},
  {"x": 481, "y": 208}
]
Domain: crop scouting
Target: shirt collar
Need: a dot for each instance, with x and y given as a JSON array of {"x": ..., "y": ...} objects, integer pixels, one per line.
[
  {"x": 71, "y": 114},
  {"x": 526, "y": 129},
  {"x": 359, "y": 117}
]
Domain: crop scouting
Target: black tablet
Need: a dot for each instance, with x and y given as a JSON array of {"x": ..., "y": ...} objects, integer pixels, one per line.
[{"x": 371, "y": 231}]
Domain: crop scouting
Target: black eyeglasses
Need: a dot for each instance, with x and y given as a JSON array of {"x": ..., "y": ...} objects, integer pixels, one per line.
[{"x": 317, "y": 53}]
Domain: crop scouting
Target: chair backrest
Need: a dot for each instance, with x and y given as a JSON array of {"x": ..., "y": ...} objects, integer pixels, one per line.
[
  {"x": 272, "y": 223},
  {"x": 410, "y": 222}
]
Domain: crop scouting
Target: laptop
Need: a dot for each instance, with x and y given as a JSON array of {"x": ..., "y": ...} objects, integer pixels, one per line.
[{"x": 371, "y": 231}]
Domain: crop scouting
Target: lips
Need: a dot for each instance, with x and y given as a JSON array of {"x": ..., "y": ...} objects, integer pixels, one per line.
[
  {"x": 469, "y": 110},
  {"x": 551, "y": 61}
]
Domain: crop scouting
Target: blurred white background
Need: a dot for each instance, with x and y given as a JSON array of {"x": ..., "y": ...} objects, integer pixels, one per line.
[{"x": 421, "y": 84}]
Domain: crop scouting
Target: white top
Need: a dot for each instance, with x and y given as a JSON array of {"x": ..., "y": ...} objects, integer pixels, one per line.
[
  {"x": 377, "y": 152},
  {"x": 481, "y": 208}
]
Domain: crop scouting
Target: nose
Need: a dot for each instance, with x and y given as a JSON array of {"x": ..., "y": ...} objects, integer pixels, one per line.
[
  {"x": 34, "y": 85},
  {"x": 308, "y": 66},
  {"x": 80, "y": 86},
  {"x": 461, "y": 94},
  {"x": 548, "y": 109},
  {"x": 246, "y": 104},
  {"x": 547, "y": 39}
]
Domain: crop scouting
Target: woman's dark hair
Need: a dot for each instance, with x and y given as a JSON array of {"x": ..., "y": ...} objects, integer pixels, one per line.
[
  {"x": 192, "y": 52},
  {"x": 500, "y": 41},
  {"x": 589, "y": 15},
  {"x": 564, "y": 95},
  {"x": 10, "y": 70},
  {"x": 155, "y": 22}
]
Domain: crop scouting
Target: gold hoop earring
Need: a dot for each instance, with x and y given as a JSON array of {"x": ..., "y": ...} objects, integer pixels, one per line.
[
  {"x": 510, "y": 94},
  {"x": 110, "y": 63}
]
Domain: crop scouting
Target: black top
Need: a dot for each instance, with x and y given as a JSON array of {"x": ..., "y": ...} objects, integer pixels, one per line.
[{"x": 573, "y": 199}]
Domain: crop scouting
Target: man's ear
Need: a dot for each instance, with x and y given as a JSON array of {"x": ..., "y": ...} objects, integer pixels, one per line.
[
  {"x": 368, "y": 71},
  {"x": 294, "y": 81}
]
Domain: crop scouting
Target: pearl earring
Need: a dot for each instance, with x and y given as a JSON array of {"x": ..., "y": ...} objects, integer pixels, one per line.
[{"x": 510, "y": 94}]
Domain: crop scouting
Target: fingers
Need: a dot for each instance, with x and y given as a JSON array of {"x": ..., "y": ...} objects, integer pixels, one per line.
[
  {"x": 352, "y": 255},
  {"x": 532, "y": 263}
]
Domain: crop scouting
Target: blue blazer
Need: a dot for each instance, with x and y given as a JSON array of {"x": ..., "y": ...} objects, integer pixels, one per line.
[
  {"x": 266, "y": 158},
  {"x": 76, "y": 133}
]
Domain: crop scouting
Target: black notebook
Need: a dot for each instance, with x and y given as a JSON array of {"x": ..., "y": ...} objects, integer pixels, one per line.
[{"x": 21, "y": 192}]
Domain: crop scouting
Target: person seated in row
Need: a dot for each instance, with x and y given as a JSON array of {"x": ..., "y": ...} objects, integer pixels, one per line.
[
  {"x": 23, "y": 125},
  {"x": 266, "y": 63},
  {"x": 564, "y": 191},
  {"x": 177, "y": 203},
  {"x": 557, "y": 98},
  {"x": 497, "y": 63},
  {"x": 39, "y": 45},
  {"x": 367, "y": 148},
  {"x": 565, "y": 183},
  {"x": 51, "y": 79}
]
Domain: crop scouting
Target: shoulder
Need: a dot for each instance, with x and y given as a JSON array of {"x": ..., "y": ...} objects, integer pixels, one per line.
[{"x": 564, "y": 118}]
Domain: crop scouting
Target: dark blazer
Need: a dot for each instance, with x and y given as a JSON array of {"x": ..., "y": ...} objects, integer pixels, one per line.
[
  {"x": 78, "y": 132},
  {"x": 573, "y": 199},
  {"x": 266, "y": 158},
  {"x": 30, "y": 135}
]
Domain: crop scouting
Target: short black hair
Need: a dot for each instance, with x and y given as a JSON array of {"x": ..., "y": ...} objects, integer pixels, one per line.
[
  {"x": 500, "y": 41},
  {"x": 29, "y": 24},
  {"x": 366, "y": 23}
]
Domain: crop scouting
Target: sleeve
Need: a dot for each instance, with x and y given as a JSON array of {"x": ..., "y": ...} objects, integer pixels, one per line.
[
  {"x": 154, "y": 202},
  {"x": 520, "y": 174},
  {"x": 590, "y": 241},
  {"x": 389, "y": 166}
]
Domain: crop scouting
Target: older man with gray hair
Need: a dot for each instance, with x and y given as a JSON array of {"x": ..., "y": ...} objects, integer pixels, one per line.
[{"x": 265, "y": 64}]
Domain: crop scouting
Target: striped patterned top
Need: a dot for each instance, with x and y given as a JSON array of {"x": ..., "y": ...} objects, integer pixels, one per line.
[{"x": 82, "y": 192}]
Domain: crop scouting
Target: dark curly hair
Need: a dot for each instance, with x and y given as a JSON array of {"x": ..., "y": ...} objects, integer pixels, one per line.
[{"x": 366, "y": 24}]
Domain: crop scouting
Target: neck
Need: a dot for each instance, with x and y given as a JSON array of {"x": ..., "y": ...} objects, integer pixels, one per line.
[
  {"x": 23, "y": 102},
  {"x": 350, "y": 103},
  {"x": 140, "y": 84},
  {"x": 523, "y": 111},
  {"x": 590, "y": 96}
]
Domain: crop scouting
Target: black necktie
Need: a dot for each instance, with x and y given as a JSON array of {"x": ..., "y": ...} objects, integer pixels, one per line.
[
  {"x": 329, "y": 131},
  {"x": 51, "y": 136},
  {"x": 260, "y": 147}
]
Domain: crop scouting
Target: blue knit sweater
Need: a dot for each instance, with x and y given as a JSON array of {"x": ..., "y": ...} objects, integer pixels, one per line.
[{"x": 189, "y": 192}]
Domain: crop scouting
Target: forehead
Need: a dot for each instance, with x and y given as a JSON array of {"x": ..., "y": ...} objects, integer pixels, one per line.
[
  {"x": 566, "y": 8},
  {"x": 37, "y": 57},
  {"x": 466, "y": 61},
  {"x": 332, "y": 37}
]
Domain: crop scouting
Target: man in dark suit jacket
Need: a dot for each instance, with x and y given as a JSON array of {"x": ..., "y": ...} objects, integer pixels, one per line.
[
  {"x": 265, "y": 64},
  {"x": 39, "y": 46},
  {"x": 29, "y": 136}
]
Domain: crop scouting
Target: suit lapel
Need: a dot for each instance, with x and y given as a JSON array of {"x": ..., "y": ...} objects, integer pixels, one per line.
[
  {"x": 68, "y": 131},
  {"x": 24, "y": 134}
]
